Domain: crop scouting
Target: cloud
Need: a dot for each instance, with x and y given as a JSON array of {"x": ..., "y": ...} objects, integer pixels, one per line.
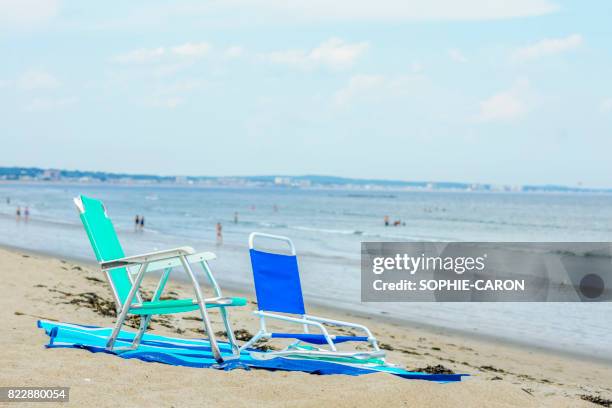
[
  {"x": 27, "y": 13},
  {"x": 457, "y": 56},
  {"x": 182, "y": 86},
  {"x": 408, "y": 10},
  {"x": 416, "y": 68},
  {"x": 47, "y": 104},
  {"x": 276, "y": 12},
  {"x": 233, "y": 52},
  {"x": 170, "y": 95},
  {"x": 549, "y": 46},
  {"x": 145, "y": 55},
  {"x": 606, "y": 105},
  {"x": 191, "y": 49},
  {"x": 36, "y": 79},
  {"x": 334, "y": 53},
  {"x": 169, "y": 102},
  {"x": 508, "y": 105},
  {"x": 358, "y": 84},
  {"x": 370, "y": 87},
  {"x": 141, "y": 55}
]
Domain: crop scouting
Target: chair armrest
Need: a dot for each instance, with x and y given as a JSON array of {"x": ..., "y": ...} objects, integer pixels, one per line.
[
  {"x": 147, "y": 257},
  {"x": 174, "y": 262},
  {"x": 339, "y": 323},
  {"x": 297, "y": 320}
]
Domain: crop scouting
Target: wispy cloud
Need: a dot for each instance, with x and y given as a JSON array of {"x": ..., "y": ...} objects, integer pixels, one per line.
[
  {"x": 457, "y": 56},
  {"x": 408, "y": 10},
  {"x": 368, "y": 87},
  {"x": 144, "y": 55},
  {"x": 191, "y": 49},
  {"x": 334, "y": 53},
  {"x": 280, "y": 13},
  {"x": 36, "y": 79},
  {"x": 358, "y": 85},
  {"x": 166, "y": 102},
  {"x": 170, "y": 95},
  {"x": 606, "y": 105},
  {"x": 141, "y": 55},
  {"x": 234, "y": 51},
  {"x": 48, "y": 104},
  {"x": 508, "y": 105},
  {"x": 22, "y": 14},
  {"x": 549, "y": 46}
]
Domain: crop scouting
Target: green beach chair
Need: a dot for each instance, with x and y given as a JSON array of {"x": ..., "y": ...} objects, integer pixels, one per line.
[{"x": 125, "y": 275}]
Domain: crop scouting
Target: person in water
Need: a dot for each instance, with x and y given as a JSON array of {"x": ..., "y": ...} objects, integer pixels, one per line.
[
  {"x": 136, "y": 222},
  {"x": 18, "y": 213},
  {"x": 219, "y": 234},
  {"x": 26, "y": 213},
  {"x": 386, "y": 219},
  {"x": 142, "y": 222}
]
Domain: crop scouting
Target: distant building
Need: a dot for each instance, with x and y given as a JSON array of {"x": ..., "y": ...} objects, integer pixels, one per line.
[
  {"x": 51, "y": 175},
  {"x": 282, "y": 181}
]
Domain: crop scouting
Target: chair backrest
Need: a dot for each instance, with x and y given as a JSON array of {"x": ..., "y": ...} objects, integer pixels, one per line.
[
  {"x": 277, "y": 280},
  {"x": 104, "y": 242}
]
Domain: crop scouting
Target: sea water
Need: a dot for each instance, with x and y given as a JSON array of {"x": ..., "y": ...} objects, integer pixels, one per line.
[{"x": 327, "y": 227}]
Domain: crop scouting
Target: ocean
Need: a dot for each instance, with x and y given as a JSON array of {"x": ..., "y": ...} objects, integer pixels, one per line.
[{"x": 327, "y": 227}]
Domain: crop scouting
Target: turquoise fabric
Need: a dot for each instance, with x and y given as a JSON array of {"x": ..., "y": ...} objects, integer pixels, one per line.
[
  {"x": 178, "y": 306},
  {"x": 106, "y": 246},
  {"x": 105, "y": 243}
]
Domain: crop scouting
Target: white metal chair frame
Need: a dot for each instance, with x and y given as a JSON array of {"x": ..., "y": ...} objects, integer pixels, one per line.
[
  {"x": 166, "y": 260},
  {"x": 307, "y": 321}
]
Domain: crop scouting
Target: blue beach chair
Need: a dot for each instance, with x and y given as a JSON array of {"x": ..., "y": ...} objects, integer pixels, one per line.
[
  {"x": 125, "y": 275},
  {"x": 278, "y": 290}
]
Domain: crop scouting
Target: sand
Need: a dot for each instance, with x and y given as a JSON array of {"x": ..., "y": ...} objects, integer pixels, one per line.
[{"x": 36, "y": 287}]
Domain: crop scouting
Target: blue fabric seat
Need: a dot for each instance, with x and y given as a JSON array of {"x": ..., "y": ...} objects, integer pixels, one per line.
[{"x": 277, "y": 282}]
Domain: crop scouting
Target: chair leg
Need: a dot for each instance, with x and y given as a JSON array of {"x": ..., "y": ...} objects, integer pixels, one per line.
[
  {"x": 146, "y": 319},
  {"x": 230, "y": 332},
  {"x": 258, "y": 336},
  {"x": 224, "y": 313},
  {"x": 206, "y": 322},
  {"x": 126, "y": 307},
  {"x": 115, "y": 333},
  {"x": 144, "y": 323}
]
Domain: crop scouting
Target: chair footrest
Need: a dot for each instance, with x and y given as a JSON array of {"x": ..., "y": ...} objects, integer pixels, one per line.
[
  {"x": 317, "y": 338},
  {"x": 373, "y": 356}
]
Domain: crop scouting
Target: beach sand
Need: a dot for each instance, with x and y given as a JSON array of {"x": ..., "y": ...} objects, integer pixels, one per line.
[{"x": 36, "y": 287}]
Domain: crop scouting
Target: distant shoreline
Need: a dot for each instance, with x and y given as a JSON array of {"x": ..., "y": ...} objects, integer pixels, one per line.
[
  {"x": 342, "y": 188},
  {"x": 36, "y": 174}
]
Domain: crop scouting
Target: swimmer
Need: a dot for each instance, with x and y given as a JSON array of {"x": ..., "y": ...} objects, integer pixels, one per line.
[{"x": 219, "y": 234}]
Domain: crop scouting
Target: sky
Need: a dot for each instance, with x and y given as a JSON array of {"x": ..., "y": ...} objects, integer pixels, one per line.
[{"x": 504, "y": 92}]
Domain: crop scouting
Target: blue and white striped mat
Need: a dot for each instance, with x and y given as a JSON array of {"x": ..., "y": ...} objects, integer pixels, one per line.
[{"x": 197, "y": 353}]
